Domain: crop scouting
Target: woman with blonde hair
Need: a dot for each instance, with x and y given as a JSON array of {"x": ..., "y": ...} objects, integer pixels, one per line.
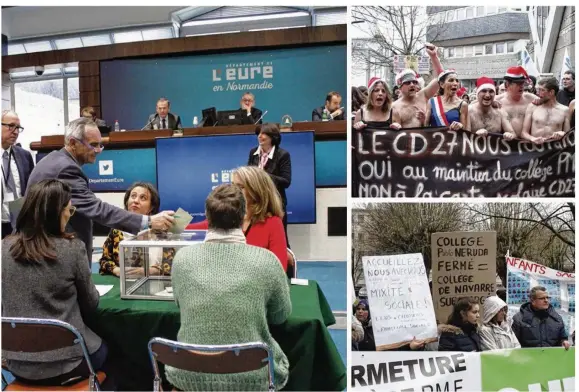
[{"x": 262, "y": 223}]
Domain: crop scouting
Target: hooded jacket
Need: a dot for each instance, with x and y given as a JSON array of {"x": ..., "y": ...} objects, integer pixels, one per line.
[
  {"x": 367, "y": 343},
  {"x": 539, "y": 328},
  {"x": 464, "y": 338},
  {"x": 494, "y": 336}
]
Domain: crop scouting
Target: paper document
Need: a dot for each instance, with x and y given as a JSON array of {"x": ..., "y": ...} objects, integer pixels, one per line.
[
  {"x": 299, "y": 282},
  {"x": 103, "y": 288},
  {"x": 182, "y": 219}
]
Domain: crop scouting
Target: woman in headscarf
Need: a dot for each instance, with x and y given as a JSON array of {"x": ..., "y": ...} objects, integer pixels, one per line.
[
  {"x": 496, "y": 333},
  {"x": 362, "y": 310}
]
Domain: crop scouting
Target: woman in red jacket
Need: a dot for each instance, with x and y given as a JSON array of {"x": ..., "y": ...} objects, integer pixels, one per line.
[{"x": 262, "y": 224}]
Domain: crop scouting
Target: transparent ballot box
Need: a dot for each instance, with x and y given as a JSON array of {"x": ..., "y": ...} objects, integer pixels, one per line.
[{"x": 146, "y": 262}]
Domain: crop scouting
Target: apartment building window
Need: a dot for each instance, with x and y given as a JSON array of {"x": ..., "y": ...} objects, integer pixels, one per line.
[
  {"x": 478, "y": 50},
  {"x": 500, "y": 48},
  {"x": 503, "y": 9},
  {"x": 480, "y": 11},
  {"x": 491, "y": 10},
  {"x": 458, "y": 52},
  {"x": 461, "y": 14},
  {"x": 511, "y": 47},
  {"x": 450, "y": 53},
  {"x": 470, "y": 12},
  {"x": 450, "y": 16},
  {"x": 489, "y": 48},
  {"x": 468, "y": 51}
]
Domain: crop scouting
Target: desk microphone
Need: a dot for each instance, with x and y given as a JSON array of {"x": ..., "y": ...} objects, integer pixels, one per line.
[
  {"x": 262, "y": 116},
  {"x": 150, "y": 122}
]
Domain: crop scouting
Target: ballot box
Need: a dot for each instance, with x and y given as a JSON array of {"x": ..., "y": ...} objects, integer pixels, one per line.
[{"x": 146, "y": 263}]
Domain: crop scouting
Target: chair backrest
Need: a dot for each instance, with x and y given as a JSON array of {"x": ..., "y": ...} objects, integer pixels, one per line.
[
  {"x": 33, "y": 335},
  {"x": 237, "y": 358}
]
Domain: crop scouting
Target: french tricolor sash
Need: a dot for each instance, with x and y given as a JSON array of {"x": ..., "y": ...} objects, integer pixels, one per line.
[{"x": 438, "y": 112}]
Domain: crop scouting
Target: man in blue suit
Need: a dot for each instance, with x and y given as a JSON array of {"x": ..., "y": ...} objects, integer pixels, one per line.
[{"x": 17, "y": 164}]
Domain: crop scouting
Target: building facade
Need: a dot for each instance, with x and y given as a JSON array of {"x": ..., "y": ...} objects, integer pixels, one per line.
[
  {"x": 479, "y": 41},
  {"x": 552, "y": 35}
]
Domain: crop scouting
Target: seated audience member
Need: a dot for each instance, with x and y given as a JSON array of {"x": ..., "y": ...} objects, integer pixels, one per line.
[
  {"x": 249, "y": 113},
  {"x": 331, "y": 110},
  {"x": 461, "y": 331},
  {"x": 141, "y": 198},
  {"x": 550, "y": 120},
  {"x": 262, "y": 223},
  {"x": 538, "y": 324},
  {"x": 362, "y": 312},
  {"x": 496, "y": 333},
  {"x": 245, "y": 287},
  {"x": 163, "y": 119},
  {"x": 90, "y": 113},
  {"x": 44, "y": 275}
]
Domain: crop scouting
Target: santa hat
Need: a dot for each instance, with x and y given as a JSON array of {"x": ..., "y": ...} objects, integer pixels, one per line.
[
  {"x": 445, "y": 72},
  {"x": 373, "y": 81},
  {"x": 485, "y": 82},
  {"x": 406, "y": 75},
  {"x": 372, "y": 84},
  {"x": 461, "y": 92},
  {"x": 516, "y": 74}
]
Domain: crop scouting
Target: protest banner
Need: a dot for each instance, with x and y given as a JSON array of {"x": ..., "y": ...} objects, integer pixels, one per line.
[
  {"x": 529, "y": 369},
  {"x": 438, "y": 162},
  {"x": 463, "y": 265},
  {"x": 400, "y": 301},
  {"x": 523, "y": 275}
]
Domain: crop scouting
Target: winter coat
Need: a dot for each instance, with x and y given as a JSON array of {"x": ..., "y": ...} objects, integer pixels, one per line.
[
  {"x": 495, "y": 337},
  {"x": 539, "y": 328},
  {"x": 455, "y": 338}
]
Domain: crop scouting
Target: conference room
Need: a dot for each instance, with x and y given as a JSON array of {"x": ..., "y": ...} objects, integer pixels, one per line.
[{"x": 184, "y": 99}]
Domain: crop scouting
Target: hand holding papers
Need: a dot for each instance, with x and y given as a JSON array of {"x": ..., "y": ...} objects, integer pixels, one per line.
[{"x": 182, "y": 219}]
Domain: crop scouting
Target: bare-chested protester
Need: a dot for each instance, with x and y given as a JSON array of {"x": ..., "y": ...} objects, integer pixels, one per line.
[
  {"x": 515, "y": 100},
  {"x": 410, "y": 109},
  {"x": 484, "y": 118},
  {"x": 550, "y": 120}
]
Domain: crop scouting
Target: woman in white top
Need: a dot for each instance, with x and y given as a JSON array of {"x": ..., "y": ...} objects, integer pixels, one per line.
[{"x": 496, "y": 333}]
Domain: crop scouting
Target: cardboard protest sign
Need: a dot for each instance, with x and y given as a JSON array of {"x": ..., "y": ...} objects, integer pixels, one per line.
[
  {"x": 463, "y": 265},
  {"x": 400, "y": 302}
]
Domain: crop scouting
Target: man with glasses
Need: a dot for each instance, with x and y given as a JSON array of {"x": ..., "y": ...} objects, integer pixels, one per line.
[
  {"x": 82, "y": 141},
  {"x": 249, "y": 113},
  {"x": 17, "y": 164},
  {"x": 410, "y": 109},
  {"x": 538, "y": 324}
]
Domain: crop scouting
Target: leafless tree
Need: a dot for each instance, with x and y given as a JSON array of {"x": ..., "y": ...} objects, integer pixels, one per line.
[{"x": 393, "y": 30}]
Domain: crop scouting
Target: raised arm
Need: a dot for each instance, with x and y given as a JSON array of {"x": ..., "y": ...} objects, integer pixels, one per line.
[{"x": 433, "y": 86}]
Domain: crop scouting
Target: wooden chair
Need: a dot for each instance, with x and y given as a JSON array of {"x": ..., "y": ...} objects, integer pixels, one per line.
[
  {"x": 224, "y": 359},
  {"x": 31, "y": 335}
]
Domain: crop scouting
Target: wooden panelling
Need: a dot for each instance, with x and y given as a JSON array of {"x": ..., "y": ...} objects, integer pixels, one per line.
[
  {"x": 89, "y": 83},
  {"x": 89, "y": 68},
  {"x": 213, "y": 43},
  {"x": 91, "y": 98}
]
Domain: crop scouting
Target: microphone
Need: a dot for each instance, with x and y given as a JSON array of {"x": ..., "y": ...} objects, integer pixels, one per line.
[
  {"x": 259, "y": 119},
  {"x": 150, "y": 122}
]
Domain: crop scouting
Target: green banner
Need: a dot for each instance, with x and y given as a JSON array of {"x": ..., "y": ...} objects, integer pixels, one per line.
[{"x": 530, "y": 369}]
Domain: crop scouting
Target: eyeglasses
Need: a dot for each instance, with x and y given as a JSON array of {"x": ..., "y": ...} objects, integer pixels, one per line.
[
  {"x": 410, "y": 82},
  {"x": 543, "y": 298},
  {"x": 72, "y": 210},
  {"x": 13, "y": 127},
  {"x": 92, "y": 146},
  {"x": 247, "y": 100}
]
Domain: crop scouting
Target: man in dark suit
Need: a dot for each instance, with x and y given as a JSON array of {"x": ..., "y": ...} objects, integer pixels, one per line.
[
  {"x": 249, "y": 113},
  {"x": 332, "y": 109},
  {"x": 274, "y": 160},
  {"x": 17, "y": 164},
  {"x": 82, "y": 141},
  {"x": 163, "y": 119}
]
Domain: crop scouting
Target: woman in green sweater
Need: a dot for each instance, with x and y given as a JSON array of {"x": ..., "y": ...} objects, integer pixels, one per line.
[{"x": 228, "y": 292}]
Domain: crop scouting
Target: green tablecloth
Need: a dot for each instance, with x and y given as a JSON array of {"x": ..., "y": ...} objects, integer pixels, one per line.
[{"x": 128, "y": 325}]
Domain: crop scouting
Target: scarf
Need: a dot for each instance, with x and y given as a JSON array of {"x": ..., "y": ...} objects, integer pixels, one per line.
[{"x": 234, "y": 236}]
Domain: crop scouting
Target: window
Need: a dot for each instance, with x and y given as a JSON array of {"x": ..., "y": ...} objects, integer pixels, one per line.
[
  {"x": 450, "y": 53},
  {"x": 500, "y": 48},
  {"x": 40, "y": 106},
  {"x": 478, "y": 50},
  {"x": 73, "y": 99},
  {"x": 511, "y": 47},
  {"x": 480, "y": 11},
  {"x": 489, "y": 49},
  {"x": 491, "y": 10},
  {"x": 461, "y": 14},
  {"x": 468, "y": 51},
  {"x": 458, "y": 51},
  {"x": 503, "y": 9},
  {"x": 450, "y": 16},
  {"x": 470, "y": 12}
]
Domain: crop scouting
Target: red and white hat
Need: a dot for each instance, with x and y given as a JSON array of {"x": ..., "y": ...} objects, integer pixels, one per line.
[
  {"x": 516, "y": 74},
  {"x": 406, "y": 75},
  {"x": 445, "y": 72},
  {"x": 372, "y": 81},
  {"x": 485, "y": 82}
]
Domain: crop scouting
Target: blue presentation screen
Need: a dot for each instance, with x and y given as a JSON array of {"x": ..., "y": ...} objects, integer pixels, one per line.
[
  {"x": 189, "y": 167},
  {"x": 284, "y": 81}
]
